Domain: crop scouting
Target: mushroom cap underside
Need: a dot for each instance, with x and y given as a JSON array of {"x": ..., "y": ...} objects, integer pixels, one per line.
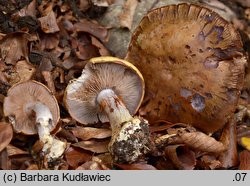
[
  {"x": 193, "y": 64},
  {"x": 99, "y": 74},
  {"x": 19, "y": 97}
]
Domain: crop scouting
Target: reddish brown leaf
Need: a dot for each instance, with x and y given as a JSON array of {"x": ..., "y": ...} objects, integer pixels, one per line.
[
  {"x": 92, "y": 165},
  {"x": 210, "y": 162},
  {"x": 6, "y": 134},
  {"x": 182, "y": 157},
  {"x": 48, "y": 41},
  {"x": 102, "y": 49},
  {"x": 229, "y": 158},
  {"x": 136, "y": 166},
  {"x": 244, "y": 160},
  {"x": 29, "y": 10},
  {"x": 194, "y": 139},
  {"x": 76, "y": 156},
  {"x": 92, "y": 28},
  {"x": 24, "y": 71},
  {"x": 86, "y": 133},
  {"x": 5, "y": 164},
  {"x": 49, "y": 81},
  {"x": 93, "y": 146},
  {"x": 14, "y": 46},
  {"x": 12, "y": 150},
  {"x": 48, "y": 23}
]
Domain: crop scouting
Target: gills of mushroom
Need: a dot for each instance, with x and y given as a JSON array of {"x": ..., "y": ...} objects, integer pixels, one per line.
[
  {"x": 129, "y": 135},
  {"x": 32, "y": 109},
  {"x": 111, "y": 90}
]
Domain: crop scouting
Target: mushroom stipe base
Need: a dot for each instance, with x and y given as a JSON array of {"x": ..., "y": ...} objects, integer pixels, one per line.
[{"x": 131, "y": 141}]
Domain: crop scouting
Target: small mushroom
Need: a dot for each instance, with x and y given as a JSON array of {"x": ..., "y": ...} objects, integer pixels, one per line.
[
  {"x": 111, "y": 89},
  {"x": 193, "y": 64},
  {"x": 32, "y": 109}
]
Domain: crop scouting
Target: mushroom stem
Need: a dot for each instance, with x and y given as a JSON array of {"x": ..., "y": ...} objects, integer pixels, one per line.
[
  {"x": 113, "y": 106},
  {"x": 130, "y": 135},
  {"x": 53, "y": 147}
]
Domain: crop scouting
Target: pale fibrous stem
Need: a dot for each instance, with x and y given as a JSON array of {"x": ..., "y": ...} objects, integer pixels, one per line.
[
  {"x": 113, "y": 106},
  {"x": 53, "y": 148}
]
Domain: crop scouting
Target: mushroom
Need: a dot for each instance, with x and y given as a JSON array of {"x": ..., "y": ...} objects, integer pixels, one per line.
[
  {"x": 111, "y": 90},
  {"x": 32, "y": 109},
  {"x": 193, "y": 64}
]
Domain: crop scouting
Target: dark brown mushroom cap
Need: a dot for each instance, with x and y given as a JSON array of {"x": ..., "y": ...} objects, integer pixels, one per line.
[
  {"x": 103, "y": 73},
  {"x": 27, "y": 93},
  {"x": 193, "y": 64}
]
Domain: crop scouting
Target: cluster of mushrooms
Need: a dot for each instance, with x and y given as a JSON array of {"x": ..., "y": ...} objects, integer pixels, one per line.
[{"x": 193, "y": 54}]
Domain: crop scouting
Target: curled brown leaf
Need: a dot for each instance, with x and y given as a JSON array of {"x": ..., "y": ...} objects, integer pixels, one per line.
[
  {"x": 244, "y": 160},
  {"x": 48, "y": 23},
  {"x": 86, "y": 133},
  {"x": 6, "y": 134},
  {"x": 182, "y": 157},
  {"x": 93, "y": 146}
]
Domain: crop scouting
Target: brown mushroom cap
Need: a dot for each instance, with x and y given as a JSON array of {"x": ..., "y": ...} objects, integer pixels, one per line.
[
  {"x": 193, "y": 64},
  {"x": 27, "y": 93},
  {"x": 103, "y": 73}
]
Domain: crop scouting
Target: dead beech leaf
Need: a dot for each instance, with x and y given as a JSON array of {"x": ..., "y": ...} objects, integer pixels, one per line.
[
  {"x": 4, "y": 160},
  {"x": 49, "y": 81},
  {"x": 48, "y": 23},
  {"x": 14, "y": 46},
  {"x": 136, "y": 166},
  {"x": 6, "y": 134},
  {"x": 48, "y": 41},
  {"x": 194, "y": 139},
  {"x": 93, "y": 146},
  {"x": 92, "y": 28},
  {"x": 246, "y": 142},
  {"x": 25, "y": 71},
  {"x": 92, "y": 165},
  {"x": 229, "y": 158},
  {"x": 86, "y": 133},
  {"x": 29, "y": 10},
  {"x": 182, "y": 157},
  {"x": 244, "y": 160},
  {"x": 126, "y": 17},
  {"x": 211, "y": 162},
  {"x": 102, "y": 49},
  {"x": 12, "y": 150},
  {"x": 76, "y": 156}
]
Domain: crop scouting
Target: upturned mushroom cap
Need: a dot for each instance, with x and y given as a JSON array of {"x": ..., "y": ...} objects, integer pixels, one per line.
[
  {"x": 22, "y": 95},
  {"x": 99, "y": 74},
  {"x": 193, "y": 64}
]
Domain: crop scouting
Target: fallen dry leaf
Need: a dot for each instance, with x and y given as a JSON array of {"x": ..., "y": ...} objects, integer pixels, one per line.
[
  {"x": 92, "y": 28},
  {"x": 194, "y": 139},
  {"x": 14, "y": 46},
  {"x": 86, "y": 133},
  {"x": 182, "y": 157},
  {"x": 48, "y": 23},
  {"x": 4, "y": 160},
  {"x": 211, "y": 162},
  {"x": 93, "y": 146},
  {"x": 135, "y": 166},
  {"x": 244, "y": 160},
  {"x": 6, "y": 134},
  {"x": 12, "y": 150},
  {"x": 229, "y": 158},
  {"x": 126, "y": 17},
  {"x": 25, "y": 71},
  {"x": 76, "y": 156}
]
